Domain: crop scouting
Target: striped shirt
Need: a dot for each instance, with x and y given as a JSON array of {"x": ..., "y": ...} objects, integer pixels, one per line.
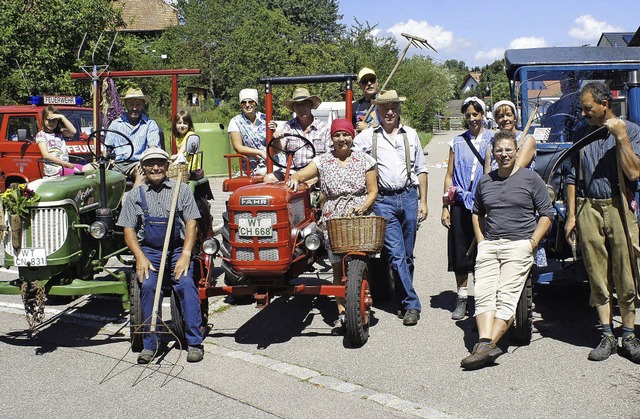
[
  {"x": 143, "y": 135},
  {"x": 159, "y": 202}
]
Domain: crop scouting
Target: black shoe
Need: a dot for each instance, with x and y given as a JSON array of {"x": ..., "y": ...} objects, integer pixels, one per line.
[
  {"x": 146, "y": 356},
  {"x": 195, "y": 354},
  {"x": 631, "y": 348},
  {"x": 483, "y": 354},
  {"x": 411, "y": 317},
  {"x": 339, "y": 328},
  {"x": 460, "y": 310},
  {"x": 608, "y": 346}
]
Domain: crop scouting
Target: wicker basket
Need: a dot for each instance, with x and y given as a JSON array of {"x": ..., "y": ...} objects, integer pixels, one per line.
[
  {"x": 174, "y": 169},
  {"x": 356, "y": 234}
]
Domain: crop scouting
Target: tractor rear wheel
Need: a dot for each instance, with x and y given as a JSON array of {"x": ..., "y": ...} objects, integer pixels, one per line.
[
  {"x": 135, "y": 314},
  {"x": 523, "y": 324}
]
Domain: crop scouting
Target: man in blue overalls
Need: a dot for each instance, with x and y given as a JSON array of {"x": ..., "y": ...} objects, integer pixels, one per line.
[{"x": 145, "y": 215}]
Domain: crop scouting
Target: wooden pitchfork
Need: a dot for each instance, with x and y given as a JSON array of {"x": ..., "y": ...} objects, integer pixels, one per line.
[{"x": 416, "y": 42}]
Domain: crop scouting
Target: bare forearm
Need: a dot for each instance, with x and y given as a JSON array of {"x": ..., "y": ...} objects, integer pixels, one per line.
[{"x": 191, "y": 232}]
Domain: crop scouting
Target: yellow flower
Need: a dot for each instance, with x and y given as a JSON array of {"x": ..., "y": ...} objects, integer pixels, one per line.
[{"x": 16, "y": 199}]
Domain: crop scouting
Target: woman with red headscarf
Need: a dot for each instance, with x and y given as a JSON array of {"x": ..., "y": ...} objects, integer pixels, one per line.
[{"x": 348, "y": 182}]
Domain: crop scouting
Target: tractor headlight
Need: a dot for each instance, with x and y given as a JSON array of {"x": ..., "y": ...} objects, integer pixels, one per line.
[
  {"x": 310, "y": 229},
  {"x": 211, "y": 246},
  {"x": 98, "y": 229},
  {"x": 312, "y": 242}
]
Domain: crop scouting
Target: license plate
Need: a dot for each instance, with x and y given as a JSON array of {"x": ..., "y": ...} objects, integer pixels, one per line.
[
  {"x": 31, "y": 257},
  {"x": 254, "y": 227}
]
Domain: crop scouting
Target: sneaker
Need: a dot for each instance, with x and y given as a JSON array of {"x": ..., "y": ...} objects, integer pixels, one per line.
[
  {"x": 631, "y": 348},
  {"x": 460, "y": 310},
  {"x": 195, "y": 354},
  {"x": 411, "y": 317},
  {"x": 607, "y": 346},
  {"x": 146, "y": 356},
  {"x": 483, "y": 354},
  {"x": 339, "y": 328}
]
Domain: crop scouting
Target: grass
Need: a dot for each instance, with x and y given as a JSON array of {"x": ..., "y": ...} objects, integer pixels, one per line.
[{"x": 425, "y": 137}]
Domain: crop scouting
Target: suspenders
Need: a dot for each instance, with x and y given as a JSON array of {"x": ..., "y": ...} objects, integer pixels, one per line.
[{"x": 407, "y": 157}]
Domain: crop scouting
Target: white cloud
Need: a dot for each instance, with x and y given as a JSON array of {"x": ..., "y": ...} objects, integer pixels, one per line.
[
  {"x": 490, "y": 56},
  {"x": 587, "y": 28},
  {"x": 528, "y": 42},
  {"x": 436, "y": 36}
]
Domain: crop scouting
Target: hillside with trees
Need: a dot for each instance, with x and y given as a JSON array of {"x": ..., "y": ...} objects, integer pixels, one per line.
[{"x": 232, "y": 42}]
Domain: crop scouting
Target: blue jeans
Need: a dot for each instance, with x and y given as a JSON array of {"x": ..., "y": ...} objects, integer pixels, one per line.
[
  {"x": 401, "y": 212},
  {"x": 186, "y": 292}
]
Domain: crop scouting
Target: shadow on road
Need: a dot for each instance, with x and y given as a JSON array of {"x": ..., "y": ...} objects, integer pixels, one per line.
[
  {"x": 560, "y": 312},
  {"x": 564, "y": 314},
  {"x": 79, "y": 325},
  {"x": 287, "y": 317}
]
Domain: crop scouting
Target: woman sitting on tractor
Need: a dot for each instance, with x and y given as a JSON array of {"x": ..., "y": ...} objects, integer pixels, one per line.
[{"x": 342, "y": 173}]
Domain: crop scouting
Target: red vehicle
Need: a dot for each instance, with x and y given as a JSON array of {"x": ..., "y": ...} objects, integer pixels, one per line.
[
  {"x": 270, "y": 235},
  {"x": 20, "y": 157}
]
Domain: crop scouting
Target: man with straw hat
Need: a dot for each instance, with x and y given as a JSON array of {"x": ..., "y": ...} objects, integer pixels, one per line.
[
  {"x": 139, "y": 128},
  {"x": 145, "y": 215},
  {"x": 304, "y": 124},
  {"x": 402, "y": 193}
]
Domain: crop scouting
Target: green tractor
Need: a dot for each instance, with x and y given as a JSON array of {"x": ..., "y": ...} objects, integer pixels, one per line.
[{"x": 63, "y": 246}]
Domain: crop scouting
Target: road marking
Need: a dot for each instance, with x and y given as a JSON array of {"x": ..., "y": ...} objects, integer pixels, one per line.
[{"x": 318, "y": 379}]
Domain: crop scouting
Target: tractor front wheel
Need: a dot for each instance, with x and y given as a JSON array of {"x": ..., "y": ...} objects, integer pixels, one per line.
[{"x": 358, "y": 302}]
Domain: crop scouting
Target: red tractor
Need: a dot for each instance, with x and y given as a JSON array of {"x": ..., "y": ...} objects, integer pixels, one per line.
[{"x": 271, "y": 236}]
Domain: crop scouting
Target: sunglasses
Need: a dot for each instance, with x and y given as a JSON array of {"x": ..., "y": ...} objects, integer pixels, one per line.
[
  {"x": 369, "y": 80},
  {"x": 247, "y": 102}
]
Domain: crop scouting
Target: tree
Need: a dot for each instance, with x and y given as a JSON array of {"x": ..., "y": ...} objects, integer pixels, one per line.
[
  {"x": 459, "y": 71},
  {"x": 318, "y": 18},
  {"x": 427, "y": 87},
  {"x": 32, "y": 60},
  {"x": 494, "y": 82}
]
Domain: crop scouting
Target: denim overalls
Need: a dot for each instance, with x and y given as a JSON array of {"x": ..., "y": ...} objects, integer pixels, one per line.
[{"x": 155, "y": 229}]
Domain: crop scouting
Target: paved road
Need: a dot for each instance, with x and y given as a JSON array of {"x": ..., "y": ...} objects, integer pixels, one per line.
[{"x": 281, "y": 361}]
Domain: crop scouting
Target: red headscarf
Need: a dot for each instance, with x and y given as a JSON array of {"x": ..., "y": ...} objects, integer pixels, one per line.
[{"x": 342, "y": 124}]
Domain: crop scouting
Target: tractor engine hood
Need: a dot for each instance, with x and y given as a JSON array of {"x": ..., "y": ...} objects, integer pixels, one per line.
[{"x": 83, "y": 189}]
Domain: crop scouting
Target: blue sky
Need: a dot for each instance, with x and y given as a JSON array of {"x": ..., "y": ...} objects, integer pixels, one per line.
[{"x": 478, "y": 32}]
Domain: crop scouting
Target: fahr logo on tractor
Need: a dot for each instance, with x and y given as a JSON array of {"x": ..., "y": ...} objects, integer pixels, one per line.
[{"x": 20, "y": 157}]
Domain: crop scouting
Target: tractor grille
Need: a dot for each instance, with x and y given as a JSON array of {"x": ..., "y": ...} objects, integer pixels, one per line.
[
  {"x": 297, "y": 210},
  {"x": 48, "y": 230},
  {"x": 246, "y": 254}
]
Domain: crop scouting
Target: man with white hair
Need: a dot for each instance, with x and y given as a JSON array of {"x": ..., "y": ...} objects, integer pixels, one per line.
[
  {"x": 144, "y": 217},
  {"x": 402, "y": 193}
]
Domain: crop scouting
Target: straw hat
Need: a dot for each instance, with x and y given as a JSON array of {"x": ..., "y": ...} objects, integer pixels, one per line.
[
  {"x": 132, "y": 93},
  {"x": 300, "y": 95},
  {"x": 388, "y": 96}
]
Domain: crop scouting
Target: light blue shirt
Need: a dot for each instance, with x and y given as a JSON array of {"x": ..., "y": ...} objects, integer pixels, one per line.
[{"x": 143, "y": 135}]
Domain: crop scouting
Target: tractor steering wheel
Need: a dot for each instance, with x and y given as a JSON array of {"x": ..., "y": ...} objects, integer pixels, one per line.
[
  {"x": 123, "y": 142},
  {"x": 273, "y": 149}
]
